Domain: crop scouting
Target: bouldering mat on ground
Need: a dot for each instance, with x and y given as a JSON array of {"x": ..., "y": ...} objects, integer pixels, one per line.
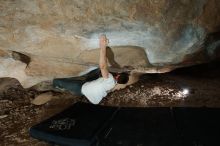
[
  {"x": 141, "y": 127},
  {"x": 85, "y": 124},
  {"x": 199, "y": 126},
  {"x": 78, "y": 125}
]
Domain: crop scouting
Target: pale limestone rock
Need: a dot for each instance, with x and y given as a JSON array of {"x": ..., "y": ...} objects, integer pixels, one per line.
[
  {"x": 61, "y": 37},
  {"x": 117, "y": 56},
  {"x": 13, "y": 68},
  {"x": 3, "y": 53},
  {"x": 42, "y": 98},
  {"x": 53, "y": 67},
  {"x": 3, "y": 116}
]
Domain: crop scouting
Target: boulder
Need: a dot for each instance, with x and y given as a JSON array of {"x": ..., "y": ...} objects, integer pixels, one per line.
[
  {"x": 41, "y": 40},
  {"x": 42, "y": 98}
]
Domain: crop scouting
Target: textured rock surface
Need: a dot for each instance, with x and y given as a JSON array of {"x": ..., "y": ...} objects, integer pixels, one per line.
[
  {"x": 42, "y": 98},
  {"x": 60, "y": 36}
]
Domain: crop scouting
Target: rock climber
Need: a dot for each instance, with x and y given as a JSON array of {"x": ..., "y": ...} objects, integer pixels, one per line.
[{"x": 96, "y": 90}]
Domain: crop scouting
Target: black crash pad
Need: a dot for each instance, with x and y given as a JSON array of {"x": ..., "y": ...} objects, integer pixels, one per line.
[
  {"x": 78, "y": 125},
  {"x": 198, "y": 126},
  {"x": 85, "y": 124},
  {"x": 153, "y": 126}
]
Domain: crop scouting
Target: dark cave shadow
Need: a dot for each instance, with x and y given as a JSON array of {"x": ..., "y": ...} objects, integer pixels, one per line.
[
  {"x": 111, "y": 58},
  {"x": 209, "y": 70},
  {"x": 21, "y": 57}
]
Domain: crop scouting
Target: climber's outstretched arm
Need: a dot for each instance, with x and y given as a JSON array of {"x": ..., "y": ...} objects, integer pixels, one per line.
[{"x": 103, "y": 42}]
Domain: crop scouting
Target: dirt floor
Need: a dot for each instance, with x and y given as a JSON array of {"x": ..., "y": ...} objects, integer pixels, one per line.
[{"x": 17, "y": 114}]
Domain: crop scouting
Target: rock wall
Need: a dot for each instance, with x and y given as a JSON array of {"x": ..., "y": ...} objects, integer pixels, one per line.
[{"x": 60, "y": 37}]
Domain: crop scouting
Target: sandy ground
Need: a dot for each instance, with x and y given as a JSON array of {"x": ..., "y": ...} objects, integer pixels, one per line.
[{"x": 17, "y": 114}]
